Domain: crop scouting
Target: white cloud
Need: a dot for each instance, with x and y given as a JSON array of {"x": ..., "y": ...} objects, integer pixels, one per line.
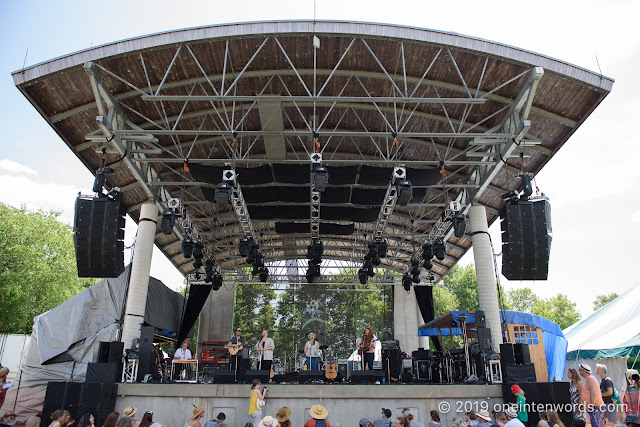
[
  {"x": 635, "y": 217},
  {"x": 16, "y": 168}
]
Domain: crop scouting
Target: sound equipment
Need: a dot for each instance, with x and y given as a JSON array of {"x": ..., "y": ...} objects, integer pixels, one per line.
[
  {"x": 116, "y": 350},
  {"x": 54, "y": 395},
  {"x": 518, "y": 374},
  {"x": 366, "y": 377},
  {"x": 263, "y": 375},
  {"x": 484, "y": 338},
  {"x": 343, "y": 370},
  {"x": 62, "y": 395},
  {"x": 422, "y": 370},
  {"x": 102, "y": 353},
  {"x": 147, "y": 364},
  {"x": 507, "y": 355},
  {"x": 308, "y": 376},
  {"x": 421, "y": 354},
  {"x": 390, "y": 344},
  {"x": 102, "y": 373},
  {"x": 99, "y": 396},
  {"x": 391, "y": 363},
  {"x": 554, "y": 393},
  {"x": 224, "y": 377},
  {"x": 146, "y": 338},
  {"x": 521, "y": 353},
  {"x": 526, "y": 240},
  {"x": 98, "y": 236},
  {"x": 481, "y": 320}
]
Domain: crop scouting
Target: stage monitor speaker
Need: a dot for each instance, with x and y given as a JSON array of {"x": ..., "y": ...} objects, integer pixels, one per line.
[
  {"x": 484, "y": 338},
  {"x": 305, "y": 377},
  {"x": 521, "y": 353},
  {"x": 526, "y": 240},
  {"x": 102, "y": 353},
  {"x": 224, "y": 377},
  {"x": 254, "y": 374},
  {"x": 517, "y": 374},
  {"x": 507, "y": 357},
  {"x": 366, "y": 377},
  {"x": 116, "y": 350},
  {"x": 481, "y": 320},
  {"x": 146, "y": 338},
  {"x": 147, "y": 364},
  {"x": 101, "y": 373},
  {"x": 98, "y": 236},
  {"x": 102, "y": 396},
  {"x": 343, "y": 370},
  {"x": 422, "y": 370}
]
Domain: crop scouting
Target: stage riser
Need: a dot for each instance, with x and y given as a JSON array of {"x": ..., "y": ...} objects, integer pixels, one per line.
[{"x": 347, "y": 403}]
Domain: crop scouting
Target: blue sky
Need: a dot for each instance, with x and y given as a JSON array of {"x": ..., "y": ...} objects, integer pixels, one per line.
[{"x": 593, "y": 181}]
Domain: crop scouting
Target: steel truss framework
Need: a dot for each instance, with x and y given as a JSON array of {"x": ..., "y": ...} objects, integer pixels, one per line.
[{"x": 274, "y": 98}]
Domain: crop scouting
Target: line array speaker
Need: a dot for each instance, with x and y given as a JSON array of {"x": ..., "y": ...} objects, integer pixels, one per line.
[
  {"x": 98, "y": 235},
  {"x": 526, "y": 240}
]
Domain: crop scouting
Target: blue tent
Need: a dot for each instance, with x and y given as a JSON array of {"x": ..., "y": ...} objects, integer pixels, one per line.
[{"x": 555, "y": 344}]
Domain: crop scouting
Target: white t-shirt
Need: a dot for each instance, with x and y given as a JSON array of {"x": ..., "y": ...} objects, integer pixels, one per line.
[
  {"x": 514, "y": 423},
  {"x": 182, "y": 354}
]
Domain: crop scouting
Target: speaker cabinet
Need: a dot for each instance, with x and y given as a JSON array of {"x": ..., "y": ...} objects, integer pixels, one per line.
[
  {"x": 507, "y": 356},
  {"x": 343, "y": 370},
  {"x": 254, "y": 374},
  {"x": 102, "y": 353},
  {"x": 102, "y": 396},
  {"x": 224, "y": 377},
  {"x": 484, "y": 338},
  {"x": 526, "y": 240},
  {"x": 102, "y": 373},
  {"x": 518, "y": 374},
  {"x": 146, "y": 338},
  {"x": 98, "y": 236},
  {"x": 116, "y": 350},
  {"x": 521, "y": 353},
  {"x": 54, "y": 395},
  {"x": 366, "y": 377},
  {"x": 147, "y": 364},
  {"x": 481, "y": 320},
  {"x": 422, "y": 370},
  {"x": 305, "y": 377}
]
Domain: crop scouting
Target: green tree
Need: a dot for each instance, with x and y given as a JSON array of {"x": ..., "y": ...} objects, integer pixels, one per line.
[
  {"x": 602, "y": 300},
  {"x": 37, "y": 266},
  {"x": 462, "y": 283},
  {"x": 559, "y": 309},
  {"x": 444, "y": 301},
  {"x": 522, "y": 299}
]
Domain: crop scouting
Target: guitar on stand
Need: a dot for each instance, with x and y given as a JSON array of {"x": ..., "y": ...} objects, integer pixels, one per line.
[{"x": 330, "y": 373}]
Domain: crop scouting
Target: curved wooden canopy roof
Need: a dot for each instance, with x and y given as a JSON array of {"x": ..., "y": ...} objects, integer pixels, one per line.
[{"x": 262, "y": 97}]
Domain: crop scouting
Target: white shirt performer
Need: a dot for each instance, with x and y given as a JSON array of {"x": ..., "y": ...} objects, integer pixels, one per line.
[{"x": 183, "y": 353}]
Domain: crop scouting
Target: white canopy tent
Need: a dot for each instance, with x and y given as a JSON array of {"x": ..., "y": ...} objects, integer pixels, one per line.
[{"x": 610, "y": 336}]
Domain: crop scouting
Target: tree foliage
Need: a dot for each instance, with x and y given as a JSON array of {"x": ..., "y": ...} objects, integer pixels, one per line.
[
  {"x": 522, "y": 299},
  {"x": 602, "y": 300},
  {"x": 37, "y": 266},
  {"x": 559, "y": 309}
]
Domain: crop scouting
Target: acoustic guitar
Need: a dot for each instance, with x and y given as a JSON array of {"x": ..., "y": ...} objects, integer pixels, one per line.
[
  {"x": 331, "y": 373},
  {"x": 234, "y": 350}
]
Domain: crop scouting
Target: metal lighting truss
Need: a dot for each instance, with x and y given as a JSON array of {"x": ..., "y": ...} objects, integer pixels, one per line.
[
  {"x": 239, "y": 205},
  {"x": 316, "y": 159},
  {"x": 389, "y": 202}
]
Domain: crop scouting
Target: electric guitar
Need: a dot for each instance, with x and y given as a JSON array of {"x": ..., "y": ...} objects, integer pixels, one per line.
[{"x": 235, "y": 349}]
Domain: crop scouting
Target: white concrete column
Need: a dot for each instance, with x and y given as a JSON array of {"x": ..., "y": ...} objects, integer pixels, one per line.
[
  {"x": 405, "y": 309},
  {"x": 216, "y": 317},
  {"x": 483, "y": 259},
  {"x": 423, "y": 342},
  {"x": 139, "y": 279}
]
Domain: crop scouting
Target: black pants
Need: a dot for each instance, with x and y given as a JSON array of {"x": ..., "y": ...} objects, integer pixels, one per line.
[
  {"x": 264, "y": 365},
  {"x": 368, "y": 361}
]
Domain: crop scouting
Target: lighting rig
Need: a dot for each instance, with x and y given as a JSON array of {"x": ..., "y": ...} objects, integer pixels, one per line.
[
  {"x": 377, "y": 249},
  {"x": 319, "y": 181},
  {"x": 314, "y": 255}
]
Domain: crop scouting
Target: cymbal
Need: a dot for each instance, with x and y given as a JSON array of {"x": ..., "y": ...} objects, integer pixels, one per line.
[{"x": 324, "y": 347}]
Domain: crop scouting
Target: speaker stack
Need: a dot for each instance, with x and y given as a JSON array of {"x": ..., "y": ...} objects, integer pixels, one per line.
[
  {"x": 526, "y": 240},
  {"x": 146, "y": 354},
  {"x": 98, "y": 236},
  {"x": 516, "y": 364},
  {"x": 79, "y": 399},
  {"x": 107, "y": 367},
  {"x": 548, "y": 393}
]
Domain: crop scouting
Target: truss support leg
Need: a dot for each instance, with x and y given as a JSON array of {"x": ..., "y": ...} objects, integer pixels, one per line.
[
  {"x": 140, "y": 268},
  {"x": 485, "y": 272}
]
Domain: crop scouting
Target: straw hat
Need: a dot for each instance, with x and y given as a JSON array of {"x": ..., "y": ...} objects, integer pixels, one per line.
[
  {"x": 585, "y": 368},
  {"x": 130, "y": 411},
  {"x": 9, "y": 414},
  {"x": 198, "y": 410},
  {"x": 268, "y": 421},
  {"x": 318, "y": 412},
  {"x": 484, "y": 414},
  {"x": 511, "y": 412},
  {"x": 283, "y": 414}
]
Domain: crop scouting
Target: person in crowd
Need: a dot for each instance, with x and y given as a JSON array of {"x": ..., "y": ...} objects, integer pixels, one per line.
[
  {"x": 183, "y": 353},
  {"x": 384, "y": 420},
  {"x": 130, "y": 411},
  {"x": 57, "y": 417},
  {"x": 401, "y": 422},
  {"x": 501, "y": 419},
  {"x": 544, "y": 420},
  {"x": 237, "y": 343},
  {"x": 512, "y": 417},
  {"x": 283, "y": 417},
  {"x": 580, "y": 422},
  {"x": 632, "y": 420},
  {"x": 406, "y": 412},
  {"x": 194, "y": 421},
  {"x": 312, "y": 351},
  {"x": 33, "y": 421},
  {"x": 86, "y": 420},
  {"x": 435, "y": 419},
  {"x": 364, "y": 422},
  {"x": 575, "y": 391},
  {"x": 67, "y": 421},
  {"x": 4, "y": 384},
  {"x": 265, "y": 349},
  {"x": 471, "y": 417},
  {"x": 318, "y": 418},
  {"x": 554, "y": 419},
  {"x": 591, "y": 396},
  {"x": 457, "y": 422},
  {"x": 484, "y": 419},
  {"x": 8, "y": 419},
  {"x": 219, "y": 419},
  {"x": 254, "y": 411},
  {"x": 124, "y": 422},
  {"x": 367, "y": 347},
  {"x": 635, "y": 382},
  {"x": 248, "y": 424},
  {"x": 268, "y": 421},
  {"x": 521, "y": 403},
  {"x": 606, "y": 390},
  {"x": 147, "y": 420},
  {"x": 112, "y": 419}
]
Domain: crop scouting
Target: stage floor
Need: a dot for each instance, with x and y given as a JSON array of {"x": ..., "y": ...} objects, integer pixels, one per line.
[{"x": 347, "y": 403}]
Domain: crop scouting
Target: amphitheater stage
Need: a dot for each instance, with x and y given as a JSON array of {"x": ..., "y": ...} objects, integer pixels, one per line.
[{"x": 172, "y": 404}]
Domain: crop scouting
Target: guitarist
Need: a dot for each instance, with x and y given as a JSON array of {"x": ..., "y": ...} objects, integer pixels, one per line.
[
  {"x": 235, "y": 345},
  {"x": 265, "y": 351},
  {"x": 367, "y": 347}
]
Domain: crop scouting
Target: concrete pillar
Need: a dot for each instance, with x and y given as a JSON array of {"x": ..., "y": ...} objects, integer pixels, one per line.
[
  {"x": 423, "y": 342},
  {"x": 483, "y": 259},
  {"x": 139, "y": 279},
  {"x": 216, "y": 317},
  {"x": 405, "y": 314}
]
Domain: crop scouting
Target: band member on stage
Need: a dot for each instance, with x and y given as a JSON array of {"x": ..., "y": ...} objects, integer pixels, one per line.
[
  {"x": 236, "y": 343},
  {"x": 312, "y": 351},
  {"x": 367, "y": 347},
  {"x": 265, "y": 351},
  {"x": 183, "y": 353}
]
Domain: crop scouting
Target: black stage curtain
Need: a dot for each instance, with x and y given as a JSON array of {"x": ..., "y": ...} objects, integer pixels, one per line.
[
  {"x": 424, "y": 296},
  {"x": 198, "y": 295}
]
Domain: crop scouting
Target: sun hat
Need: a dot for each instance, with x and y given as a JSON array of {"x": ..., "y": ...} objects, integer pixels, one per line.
[
  {"x": 386, "y": 412},
  {"x": 283, "y": 414},
  {"x": 197, "y": 410},
  {"x": 511, "y": 412},
  {"x": 484, "y": 414},
  {"x": 515, "y": 388},
  {"x": 9, "y": 414},
  {"x": 585, "y": 368},
  {"x": 130, "y": 411},
  {"x": 267, "y": 421},
  {"x": 318, "y": 412}
]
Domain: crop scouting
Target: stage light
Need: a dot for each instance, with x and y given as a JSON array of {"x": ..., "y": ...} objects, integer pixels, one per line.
[
  {"x": 254, "y": 253},
  {"x": 415, "y": 278},
  {"x": 264, "y": 274},
  {"x": 187, "y": 248},
  {"x": 208, "y": 269},
  {"x": 197, "y": 250},
  {"x": 373, "y": 254},
  {"x": 439, "y": 250},
  {"x": 245, "y": 246},
  {"x": 316, "y": 249},
  {"x": 427, "y": 265},
  {"x": 168, "y": 221},
  {"x": 363, "y": 276},
  {"x": 405, "y": 192},
  {"x": 527, "y": 188},
  {"x": 319, "y": 177},
  {"x": 406, "y": 282},
  {"x": 197, "y": 263},
  {"x": 217, "y": 282},
  {"x": 427, "y": 251},
  {"x": 381, "y": 247},
  {"x": 459, "y": 225},
  {"x": 223, "y": 195}
]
